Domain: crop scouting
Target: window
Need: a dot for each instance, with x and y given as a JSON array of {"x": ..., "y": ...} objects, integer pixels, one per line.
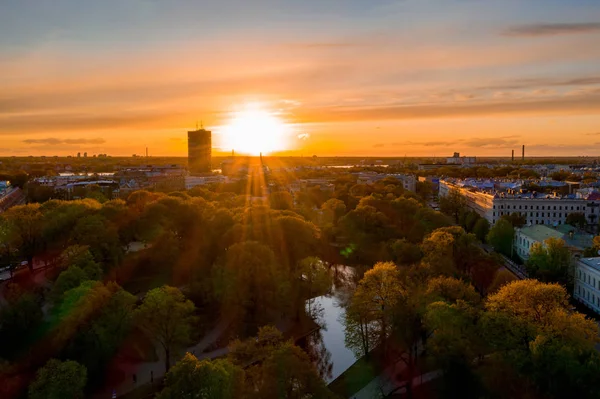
[
  {"x": 525, "y": 206},
  {"x": 571, "y": 207},
  {"x": 554, "y": 207},
  {"x": 542, "y": 207},
  {"x": 554, "y": 214},
  {"x": 519, "y": 206},
  {"x": 560, "y": 208},
  {"x": 537, "y": 207},
  {"x": 494, "y": 214},
  {"x": 577, "y": 208}
]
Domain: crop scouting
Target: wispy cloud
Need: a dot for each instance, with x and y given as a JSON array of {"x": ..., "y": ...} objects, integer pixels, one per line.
[
  {"x": 303, "y": 136},
  {"x": 552, "y": 29},
  {"x": 55, "y": 141}
]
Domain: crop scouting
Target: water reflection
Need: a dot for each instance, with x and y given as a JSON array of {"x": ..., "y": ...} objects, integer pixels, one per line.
[{"x": 326, "y": 346}]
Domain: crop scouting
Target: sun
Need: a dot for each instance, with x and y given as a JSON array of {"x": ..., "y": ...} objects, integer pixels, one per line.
[{"x": 254, "y": 130}]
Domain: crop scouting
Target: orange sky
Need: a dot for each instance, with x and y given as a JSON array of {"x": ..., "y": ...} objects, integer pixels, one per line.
[{"x": 385, "y": 78}]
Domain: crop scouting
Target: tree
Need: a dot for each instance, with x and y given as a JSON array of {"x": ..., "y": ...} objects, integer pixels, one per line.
[
  {"x": 315, "y": 277},
  {"x": 18, "y": 320},
  {"x": 276, "y": 368},
  {"x": 481, "y": 229},
  {"x": 453, "y": 204},
  {"x": 531, "y": 328},
  {"x": 191, "y": 378},
  {"x": 281, "y": 200},
  {"x": 333, "y": 209},
  {"x": 289, "y": 373},
  {"x": 376, "y": 296},
  {"x": 248, "y": 284},
  {"x": 516, "y": 219},
  {"x": 576, "y": 219},
  {"x": 501, "y": 237},
  {"x": 167, "y": 317},
  {"x": 501, "y": 278},
  {"x": 550, "y": 262},
  {"x": 96, "y": 342},
  {"x": 425, "y": 189},
  {"x": 25, "y": 222},
  {"x": 404, "y": 252},
  {"x": 59, "y": 380}
]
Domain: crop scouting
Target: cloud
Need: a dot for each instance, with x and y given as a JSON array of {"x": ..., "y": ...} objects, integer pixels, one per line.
[
  {"x": 55, "y": 141},
  {"x": 324, "y": 45},
  {"x": 303, "y": 136},
  {"x": 539, "y": 30},
  {"x": 379, "y": 145},
  {"x": 593, "y": 134},
  {"x": 498, "y": 142}
]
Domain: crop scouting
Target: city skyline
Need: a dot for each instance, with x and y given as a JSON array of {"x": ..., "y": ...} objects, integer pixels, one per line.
[{"x": 353, "y": 78}]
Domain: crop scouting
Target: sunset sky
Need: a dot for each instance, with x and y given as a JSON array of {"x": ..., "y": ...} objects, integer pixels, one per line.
[{"x": 351, "y": 77}]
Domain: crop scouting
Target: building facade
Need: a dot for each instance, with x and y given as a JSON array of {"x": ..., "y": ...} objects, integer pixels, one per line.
[
  {"x": 547, "y": 209},
  {"x": 199, "y": 151},
  {"x": 587, "y": 283}
]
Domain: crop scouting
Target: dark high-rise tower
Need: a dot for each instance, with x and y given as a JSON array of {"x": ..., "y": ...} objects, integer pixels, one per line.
[{"x": 199, "y": 151}]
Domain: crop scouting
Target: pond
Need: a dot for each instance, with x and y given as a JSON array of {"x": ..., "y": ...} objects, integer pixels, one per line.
[{"x": 326, "y": 346}]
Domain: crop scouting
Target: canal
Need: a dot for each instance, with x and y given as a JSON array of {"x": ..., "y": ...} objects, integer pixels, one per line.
[{"x": 326, "y": 346}]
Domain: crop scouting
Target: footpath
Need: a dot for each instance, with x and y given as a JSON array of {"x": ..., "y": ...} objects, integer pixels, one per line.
[{"x": 148, "y": 372}]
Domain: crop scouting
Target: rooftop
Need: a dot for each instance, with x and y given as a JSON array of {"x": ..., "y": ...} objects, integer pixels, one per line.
[
  {"x": 540, "y": 232},
  {"x": 594, "y": 263}
]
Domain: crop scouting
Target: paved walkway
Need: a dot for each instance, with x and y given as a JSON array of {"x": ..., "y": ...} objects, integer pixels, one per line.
[
  {"x": 144, "y": 371},
  {"x": 385, "y": 384}
]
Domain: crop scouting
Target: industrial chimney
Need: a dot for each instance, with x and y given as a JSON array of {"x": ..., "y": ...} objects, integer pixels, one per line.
[{"x": 523, "y": 152}]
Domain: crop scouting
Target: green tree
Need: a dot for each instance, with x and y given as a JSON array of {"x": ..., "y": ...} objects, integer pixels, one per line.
[
  {"x": 25, "y": 222},
  {"x": 481, "y": 229},
  {"x": 18, "y": 320},
  {"x": 516, "y": 219},
  {"x": 550, "y": 262},
  {"x": 248, "y": 284},
  {"x": 576, "y": 219},
  {"x": 167, "y": 317},
  {"x": 59, "y": 380},
  {"x": 453, "y": 204},
  {"x": 501, "y": 237},
  {"x": 191, "y": 378}
]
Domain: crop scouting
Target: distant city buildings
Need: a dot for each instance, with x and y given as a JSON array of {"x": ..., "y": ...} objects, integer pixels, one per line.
[
  {"x": 456, "y": 159},
  {"x": 199, "y": 151}
]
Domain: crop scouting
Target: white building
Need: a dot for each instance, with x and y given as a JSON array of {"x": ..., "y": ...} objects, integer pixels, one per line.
[
  {"x": 529, "y": 235},
  {"x": 193, "y": 181},
  {"x": 587, "y": 283},
  {"x": 537, "y": 209}
]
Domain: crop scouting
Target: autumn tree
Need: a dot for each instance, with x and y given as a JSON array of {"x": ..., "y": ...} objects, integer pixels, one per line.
[
  {"x": 167, "y": 317},
  {"x": 376, "y": 296},
  {"x": 530, "y": 326},
  {"x": 59, "y": 380}
]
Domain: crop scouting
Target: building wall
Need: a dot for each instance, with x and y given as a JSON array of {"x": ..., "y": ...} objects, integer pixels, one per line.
[
  {"x": 587, "y": 285},
  {"x": 199, "y": 151}
]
